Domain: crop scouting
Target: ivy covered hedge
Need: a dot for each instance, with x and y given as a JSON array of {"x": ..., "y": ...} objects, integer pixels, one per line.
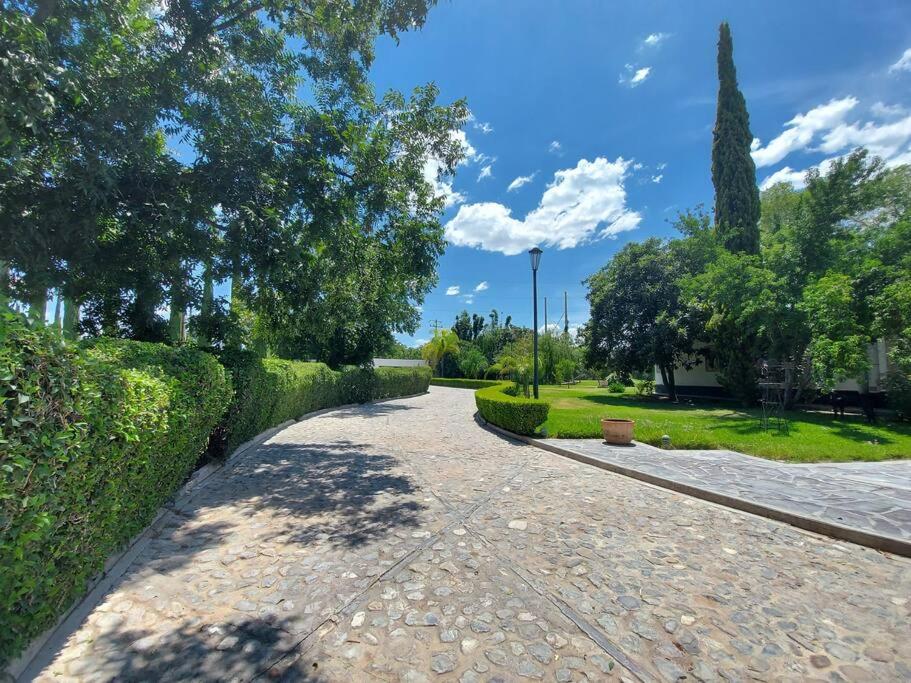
[
  {"x": 462, "y": 383},
  {"x": 93, "y": 440},
  {"x": 499, "y": 405}
]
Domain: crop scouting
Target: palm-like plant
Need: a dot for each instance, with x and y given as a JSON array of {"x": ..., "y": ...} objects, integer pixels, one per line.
[{"x": 444, "y": 343}]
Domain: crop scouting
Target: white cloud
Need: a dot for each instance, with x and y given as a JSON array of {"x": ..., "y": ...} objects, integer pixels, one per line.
[
  {"x": 655, "y": 39},
  {"x": 638, "y": 166},
  {"x": 634, "y": 77},
  {"x": 582, "y": 204},
  {"x": 903, "y": 63},
  {"x": 419, "y": 342},
  {"x": 801, "y": 130},
  {"x": 555, "y": 147},
  {"x": 481, "y": 286},
  {"x": 442, "y": 185},
  {"x": 486, "y": 172},
  {"x": 887, "y": 111},
  {"x": 884, "y": 140},
  {"x": 784, "y": 175},
  {"x": 889, "y": 139},
  {"x": 468, "y": 298},
  {"x": 520, "y": 181},
  {"x": 452, "y": 291},
  {"x": 661, "y": 166},
  {"x": 485, "y": 128},
  {"x": 657, "y": 178}
]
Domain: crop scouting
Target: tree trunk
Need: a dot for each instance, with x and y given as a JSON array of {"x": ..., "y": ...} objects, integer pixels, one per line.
[
  {"x": 70, "y": 318},
  {"x": 178, "y": 311},
  {"x": 37, "y": 304},
  {"x": 208, "y": 303},
  {"x": 671, "y": 382},
  {"x": 58, "y": 311}
]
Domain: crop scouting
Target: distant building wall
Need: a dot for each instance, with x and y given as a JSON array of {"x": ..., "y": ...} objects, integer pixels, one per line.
[
  {"x": 398, "y": 363},
  {"x": 702, "y": 378}
]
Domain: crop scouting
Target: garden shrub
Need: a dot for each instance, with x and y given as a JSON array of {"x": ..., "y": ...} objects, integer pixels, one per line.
[
  {"x": 391, "y": 382},
  {"x": 616, "y": 387},
  {"x": 95, "y": 438},
  {"x": 500, "y": 406},
  {"x": 464, "y": 383},
  {"x": 356, "y": 384},
  {"x": 644, "y": 387}
]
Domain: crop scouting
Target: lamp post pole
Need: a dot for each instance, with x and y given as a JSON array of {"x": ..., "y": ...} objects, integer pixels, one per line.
[{"x": 535, "y": 260}]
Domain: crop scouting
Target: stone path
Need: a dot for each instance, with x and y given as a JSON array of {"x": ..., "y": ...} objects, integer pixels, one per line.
[
  {"x": 870, "y": 496},
  {"x": 402, "y": 542}
]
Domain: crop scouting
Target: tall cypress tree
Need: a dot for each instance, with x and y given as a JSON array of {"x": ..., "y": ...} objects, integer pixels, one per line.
[{"x": 733, "y": 170}]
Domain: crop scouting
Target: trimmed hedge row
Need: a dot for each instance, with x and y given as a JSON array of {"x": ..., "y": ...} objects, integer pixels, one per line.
[
  {"x": 499, "y": 405},
  {"x": 461, "y": 383},
  {"x": 269, "y": 391},
  {"x": 94, "y": 438}
]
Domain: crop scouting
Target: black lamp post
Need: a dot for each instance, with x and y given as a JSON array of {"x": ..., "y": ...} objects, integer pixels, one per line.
[{"x": 535, "y": 260}]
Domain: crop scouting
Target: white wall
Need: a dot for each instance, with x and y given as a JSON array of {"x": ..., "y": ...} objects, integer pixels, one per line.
[{"x": 398, "y": 363}]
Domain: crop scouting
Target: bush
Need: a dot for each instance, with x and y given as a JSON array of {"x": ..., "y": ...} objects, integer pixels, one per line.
[
  {"x": 616, "y": 387},
  {"x": 95, "y": 438},
  {"x": 644, "y": 387},
  {"x": 464, "y": 383},
  {"x": 391, "y": 382},
  {"x": 269, "y": 391},
  {"x": 898, "y": 388},
  {"x": 500, "y": 406}
]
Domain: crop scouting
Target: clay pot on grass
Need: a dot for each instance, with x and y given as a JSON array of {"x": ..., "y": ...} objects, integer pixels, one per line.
[{"x": 617, "y": 431}]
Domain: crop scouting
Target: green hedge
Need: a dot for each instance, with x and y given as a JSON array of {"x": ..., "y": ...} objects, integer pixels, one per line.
[
  {"x": 95, "y": 438},
  {"x": 500, "y": 406},
  {"x": 269, "y": 391},
  {"x": 461, "y": 383}
]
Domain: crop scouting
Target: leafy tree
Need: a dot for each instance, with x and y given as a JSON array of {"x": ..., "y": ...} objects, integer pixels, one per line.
[
  {"x": 565, "y": 369},
  {"x": 462, "y": 326},
  {"x": 444, "y": 343},
  {"x": 737, "y": 205},
  {"x": 638, "y": 317},
  {"x": 472, "y": 362}
]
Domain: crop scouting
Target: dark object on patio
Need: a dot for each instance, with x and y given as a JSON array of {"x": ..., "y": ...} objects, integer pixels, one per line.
[
  {"x": 838, "y": 404},
  {"x": 868, "y": 406}
]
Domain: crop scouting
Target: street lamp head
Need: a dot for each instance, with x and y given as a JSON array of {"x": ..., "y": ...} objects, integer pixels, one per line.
[{"x": 535, "y": 258}]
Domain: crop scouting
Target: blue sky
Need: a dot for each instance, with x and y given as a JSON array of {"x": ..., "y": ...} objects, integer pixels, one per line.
[{"x": 628, "y": 92}]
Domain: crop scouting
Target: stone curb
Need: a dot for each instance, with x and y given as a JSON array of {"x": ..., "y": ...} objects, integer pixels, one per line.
[
  {"x": 880, "y": 542},
  {"x": 40, "y": 652}
]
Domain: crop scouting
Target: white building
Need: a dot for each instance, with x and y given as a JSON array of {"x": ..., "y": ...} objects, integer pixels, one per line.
[{"x": 701, "y": 380}]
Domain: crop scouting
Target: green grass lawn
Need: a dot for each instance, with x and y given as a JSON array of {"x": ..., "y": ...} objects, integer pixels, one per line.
[{"x": 576, "y": 411}]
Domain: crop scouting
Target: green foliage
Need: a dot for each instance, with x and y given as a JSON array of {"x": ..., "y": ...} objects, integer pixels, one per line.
[
  {"x": 392, "y": 382},
  {"x": 565, "y": 369},
  {"x": 499, "y": 406},
  {"x": 94, "y": 441},
  {"x": 639, "y": 317},
  {"x": 461, "y": 383},
  {"x": 644, "y": 387},
  {"x": 472, "y": 362},
  {"x": 616, "y": 387},
  {"x": 737, "y": 205},
  {"x": 444, "y": 343},
  {"x": 269, "y": 391}
]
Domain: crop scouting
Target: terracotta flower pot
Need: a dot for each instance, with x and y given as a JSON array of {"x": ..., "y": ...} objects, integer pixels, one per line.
[{"x": 617, "y": 431}]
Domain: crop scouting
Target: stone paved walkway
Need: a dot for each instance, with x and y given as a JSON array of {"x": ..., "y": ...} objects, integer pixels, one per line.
[
  {"x": 402, "y": 542},
  {"x": 870, "y": 496}
]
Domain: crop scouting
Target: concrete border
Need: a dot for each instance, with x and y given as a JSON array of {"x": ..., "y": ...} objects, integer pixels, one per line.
[
  {"x": 41, "y": 651},
  {"x": 880, "y": 542}
]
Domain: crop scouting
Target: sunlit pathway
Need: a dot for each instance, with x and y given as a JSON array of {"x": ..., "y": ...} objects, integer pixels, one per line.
[{"x": 402, "y": 542}]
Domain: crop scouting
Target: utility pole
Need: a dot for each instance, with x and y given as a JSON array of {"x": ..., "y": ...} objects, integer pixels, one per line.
[
  {"x": 545, "y": 315},
  {"x": 565, "y": 314},
  {"x": 435, "y": 324}
]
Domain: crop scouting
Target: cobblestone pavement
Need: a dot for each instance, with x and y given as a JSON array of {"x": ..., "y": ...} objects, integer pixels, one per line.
[
  {"x": 402, "y": 542},
  {"x": 870, "y": 496}
]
